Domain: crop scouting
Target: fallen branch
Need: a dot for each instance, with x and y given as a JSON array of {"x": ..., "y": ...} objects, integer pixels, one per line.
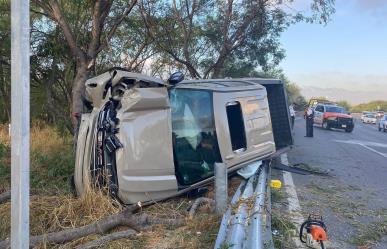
[
  {"x": 197, "y": 203},
  {"x": 124, "y": 218},
  {"x": 107, "y": 238},
  {"x": 5, "y": 196},
  {"x": 102, "y": 226}
]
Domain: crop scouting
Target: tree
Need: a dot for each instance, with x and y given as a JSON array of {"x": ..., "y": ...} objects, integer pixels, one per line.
[
  {"x": 344, "y": 104},
  {"x": 86, "y": 36},
  {"x": 295, "y": 97},
  {"x": 378, "y": 105},
  {"x": 5, "y": 61},
  {"x": 213, "y": 38}
]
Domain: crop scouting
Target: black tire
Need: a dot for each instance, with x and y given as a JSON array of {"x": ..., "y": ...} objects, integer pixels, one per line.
[
  {"x": 350, "y": 129},
  {"x": 384, "y": 130}
]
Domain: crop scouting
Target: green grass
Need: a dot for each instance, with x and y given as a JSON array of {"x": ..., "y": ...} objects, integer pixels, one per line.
[
  {"x": 370, "y": 234},
  {"x": 51, "y": 161},
  {"x": 285, "y": 227}
]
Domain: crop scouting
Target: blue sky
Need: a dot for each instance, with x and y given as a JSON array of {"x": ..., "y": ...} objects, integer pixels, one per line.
[{"x": 349, "y": 52}]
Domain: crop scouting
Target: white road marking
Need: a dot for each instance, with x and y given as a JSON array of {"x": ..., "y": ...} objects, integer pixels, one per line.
[
  {"x": 373, "y": 150},
  {"x": 366, "y": 144},
  {"x": 294, "y": 203},
  {"x": 361, "y": 142}
]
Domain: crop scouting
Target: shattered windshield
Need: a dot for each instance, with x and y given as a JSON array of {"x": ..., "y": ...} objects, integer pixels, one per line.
[{"x": 194, "y": 137}]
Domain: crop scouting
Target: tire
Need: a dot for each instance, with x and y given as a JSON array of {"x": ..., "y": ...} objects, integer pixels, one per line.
[
  {"x": 349, "y": 129},
  {"x": 325, "y": 125},
  {"x": 384, "y": 130}
]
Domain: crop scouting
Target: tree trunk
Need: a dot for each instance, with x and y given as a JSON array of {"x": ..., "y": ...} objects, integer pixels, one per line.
[
  {"x": 77, "y": 104},
  {"x": 218, "y": 67}
]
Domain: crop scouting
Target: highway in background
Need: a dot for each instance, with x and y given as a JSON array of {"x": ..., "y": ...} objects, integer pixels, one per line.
[{"x": 353, "y": 199}]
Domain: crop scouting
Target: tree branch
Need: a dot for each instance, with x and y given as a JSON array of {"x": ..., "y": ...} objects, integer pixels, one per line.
[
  {"x": 5, "y": 196},
  {"x": 54, "y": 11},
  {"x": 116, "y": 24},
  {"x": 100, "y": 12}
]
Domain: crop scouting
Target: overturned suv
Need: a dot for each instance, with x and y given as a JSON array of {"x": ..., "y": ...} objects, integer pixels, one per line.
[{"x": 147, "y": 140}]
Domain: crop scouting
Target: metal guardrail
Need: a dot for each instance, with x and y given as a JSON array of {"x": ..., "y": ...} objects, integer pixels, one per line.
[{"x": 246, "y": 224}]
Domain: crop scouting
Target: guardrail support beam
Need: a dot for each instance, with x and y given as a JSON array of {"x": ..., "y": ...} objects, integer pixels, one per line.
[{"x": 221, "y": 187}]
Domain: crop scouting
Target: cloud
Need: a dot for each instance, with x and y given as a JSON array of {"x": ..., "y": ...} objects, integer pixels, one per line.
[
  {"x": 370, "y": 5},
  {"x": 375, "y": 8}
]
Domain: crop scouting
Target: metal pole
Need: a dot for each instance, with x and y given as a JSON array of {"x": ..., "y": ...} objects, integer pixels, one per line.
[
  {"x": 20, "y": 123},
  {"x": 220, "y": 188}
]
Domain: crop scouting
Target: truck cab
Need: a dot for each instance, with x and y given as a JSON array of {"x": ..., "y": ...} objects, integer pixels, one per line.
[{"x": 330, "y": 115}]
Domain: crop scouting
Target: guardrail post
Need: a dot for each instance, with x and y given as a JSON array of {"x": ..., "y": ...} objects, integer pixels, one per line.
[
  {"x": 20, "y": 123},
  {"x": 221, "y": 186}
]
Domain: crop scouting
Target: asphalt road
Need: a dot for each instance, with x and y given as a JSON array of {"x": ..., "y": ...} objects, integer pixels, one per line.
[{"x": 353, "y": 199}]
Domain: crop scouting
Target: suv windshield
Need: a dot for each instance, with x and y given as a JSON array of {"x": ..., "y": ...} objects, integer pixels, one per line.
[
  {"x": 370, "y": 116},
  {"x": 336, "y": 109},
  {"x": 195, "y": 145}
]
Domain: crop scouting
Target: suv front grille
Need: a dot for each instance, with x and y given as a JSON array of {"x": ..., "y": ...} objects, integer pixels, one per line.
[{"x": 344, "y": 121}]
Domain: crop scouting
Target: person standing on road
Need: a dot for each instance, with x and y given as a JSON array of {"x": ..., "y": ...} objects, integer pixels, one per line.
[
  {"x": 309, "y": 122},
  {"x": 292, "y": 115}
]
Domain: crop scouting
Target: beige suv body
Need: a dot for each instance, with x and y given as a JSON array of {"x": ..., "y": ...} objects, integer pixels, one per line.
[{"x": 152, "y": 141}]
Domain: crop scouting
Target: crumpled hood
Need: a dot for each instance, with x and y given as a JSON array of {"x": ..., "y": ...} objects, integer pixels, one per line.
[{"x": 335, "y": 114}]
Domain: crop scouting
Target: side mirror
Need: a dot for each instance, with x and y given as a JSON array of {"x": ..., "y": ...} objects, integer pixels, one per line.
[{"x": 175, "y": 78}]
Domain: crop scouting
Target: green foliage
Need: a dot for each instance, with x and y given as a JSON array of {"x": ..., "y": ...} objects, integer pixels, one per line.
[
  {"x": 5, "y": 54},
  {"x": 197, "y": 37},
  {"x": 371, "y": 106},
  {"x": 295, "y": 97},
  {"x": 5, "y": 169},
  {"x": 52, "y": 171},
  {"x": 344, "y": 104}
]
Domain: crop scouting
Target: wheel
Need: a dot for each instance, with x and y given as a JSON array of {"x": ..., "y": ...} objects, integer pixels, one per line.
[
  {"x": 350, "y": 129},
  {"x": 325, "y": 125},
  {"x": 384, "y": 129}
]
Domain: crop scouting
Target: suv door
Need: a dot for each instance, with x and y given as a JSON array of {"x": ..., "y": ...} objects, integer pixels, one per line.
[{"x": 318, "y": 114}]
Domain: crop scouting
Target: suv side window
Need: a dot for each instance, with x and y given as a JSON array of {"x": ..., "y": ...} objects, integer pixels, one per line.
[{"x": 320, "y": 108}]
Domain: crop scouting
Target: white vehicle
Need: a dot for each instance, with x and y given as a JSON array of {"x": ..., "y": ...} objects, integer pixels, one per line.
[
  {"x": 369, "y": 119},
  {"x": 382, "y": 125},
  {"x": 363, "y": 115}
]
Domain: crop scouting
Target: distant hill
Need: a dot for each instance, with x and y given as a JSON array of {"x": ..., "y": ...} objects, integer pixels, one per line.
[{"x": 337, "y": 94}]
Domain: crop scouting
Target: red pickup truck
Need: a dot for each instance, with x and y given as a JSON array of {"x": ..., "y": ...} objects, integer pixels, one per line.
[{"x": 330, "y": 115}]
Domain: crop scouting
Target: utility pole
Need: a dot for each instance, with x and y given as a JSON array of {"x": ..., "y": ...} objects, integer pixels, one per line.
[{"x": 20, "y": 123}]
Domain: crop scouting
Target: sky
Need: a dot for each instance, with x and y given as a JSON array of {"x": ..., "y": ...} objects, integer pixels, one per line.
[{"x": 350, "y": 52}]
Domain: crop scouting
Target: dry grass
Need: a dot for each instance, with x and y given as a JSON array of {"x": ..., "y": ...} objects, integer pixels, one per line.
[
  {"x": 58, "y": 212},
  {"x": 44, "y": 139},
  {"x": 53, "y": 210},
  {"x": 4, "y": 137},
  {"x": 51, "y": 159},
  {"x": 55, "y": 213}
]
